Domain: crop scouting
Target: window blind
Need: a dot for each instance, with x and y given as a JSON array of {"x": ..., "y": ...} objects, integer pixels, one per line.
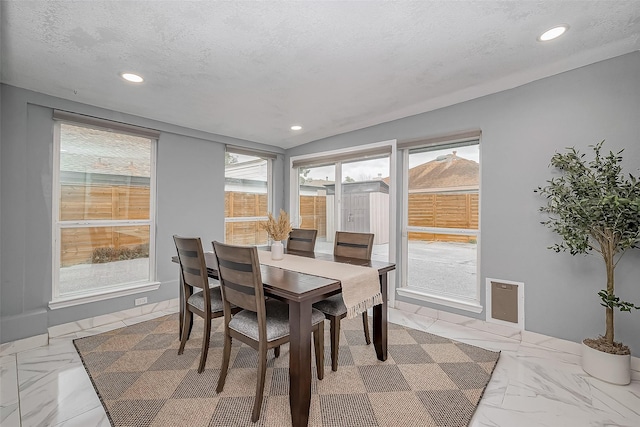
[
  {"x": 371, "y": 153},
  {"x": 249, "y": 152},
  {"x": 105, "y": 124},
  {"x": 443, "y": 141}
]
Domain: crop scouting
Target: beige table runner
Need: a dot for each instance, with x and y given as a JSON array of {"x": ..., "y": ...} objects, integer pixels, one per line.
[{"x": 360, "y": 286}]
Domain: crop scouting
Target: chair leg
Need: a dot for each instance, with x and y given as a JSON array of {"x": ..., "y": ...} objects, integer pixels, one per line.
[
  {"x": 318, "y": 340},
  {"x": 276, "y": 351},
  {"x": 335, "y": 341},
  {"x": 365, "y": 326},
  {"x": 262, "y": 368},
  {"x": 185, "y": 331},
  {"x": 226, "y": 355},
  {"x": 189, "y": 324},
  {"x": 205, "y": 345}
]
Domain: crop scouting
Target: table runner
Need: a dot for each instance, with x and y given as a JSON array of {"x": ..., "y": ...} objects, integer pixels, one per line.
[{"x": 360, "y": 286}]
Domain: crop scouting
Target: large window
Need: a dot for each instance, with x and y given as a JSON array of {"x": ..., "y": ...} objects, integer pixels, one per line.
[
  {"x": 247, "y": 196},
  {"x": 441, "y": 235},
  {"x": 104, "y": 229},
  {"x": 345, "y": 191}
]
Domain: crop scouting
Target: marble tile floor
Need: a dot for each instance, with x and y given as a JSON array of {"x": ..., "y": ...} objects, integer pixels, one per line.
[{"x": 531, "y": 385}]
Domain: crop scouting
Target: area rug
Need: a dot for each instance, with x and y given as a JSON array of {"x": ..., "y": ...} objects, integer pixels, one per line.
[{"x": 427, "y": 380}]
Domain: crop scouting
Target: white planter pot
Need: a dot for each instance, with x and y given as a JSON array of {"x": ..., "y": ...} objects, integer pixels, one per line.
[
  {"x": 277, "y": 251},
  {"x": 612, "y": 368}
]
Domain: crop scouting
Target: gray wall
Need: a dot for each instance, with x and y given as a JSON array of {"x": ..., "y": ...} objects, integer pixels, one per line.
[
  {"x": 190, "y": 201},
  {"x": 521, "y": 129}
]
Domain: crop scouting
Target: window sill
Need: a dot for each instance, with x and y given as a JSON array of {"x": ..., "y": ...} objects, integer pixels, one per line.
[
  {"x": 460, "y": 304},
  {"x": 101, "y": 296}
]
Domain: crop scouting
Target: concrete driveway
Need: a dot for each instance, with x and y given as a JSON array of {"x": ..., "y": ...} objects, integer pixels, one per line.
[{"x": 436, "y": 267}]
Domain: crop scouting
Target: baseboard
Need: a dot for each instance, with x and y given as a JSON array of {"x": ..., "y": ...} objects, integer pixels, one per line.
[
  {"x": 552, "y": 343},
  {"x": 635, "y": 368},
  {"x": 84, "y": 324},
  {"x": 17, "y": 346},
  {"x": 481, "y": 325},
  {"x": 93, "y": 322},
  {"x": 541, "y": 340}
]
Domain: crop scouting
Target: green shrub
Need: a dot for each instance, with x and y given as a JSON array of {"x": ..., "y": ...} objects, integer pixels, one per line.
[{"x": 109, "y": 254}]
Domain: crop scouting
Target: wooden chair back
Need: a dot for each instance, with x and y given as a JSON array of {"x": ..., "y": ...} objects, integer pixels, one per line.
[
  {"x": 240, "y": 278},
  {"x": 193, "y": 267},
  {"x": 241, "y": 284},
  {"x": 353, "y": 245},
  {"x": 193, "y": 274},
  {"x": 301, "y": 239}
]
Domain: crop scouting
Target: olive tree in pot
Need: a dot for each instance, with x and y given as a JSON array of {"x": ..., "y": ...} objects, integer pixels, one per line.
[{"x": 593, "y": 206}]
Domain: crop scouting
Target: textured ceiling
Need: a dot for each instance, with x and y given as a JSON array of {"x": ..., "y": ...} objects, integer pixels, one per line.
[{"x": 250, "y": 70}]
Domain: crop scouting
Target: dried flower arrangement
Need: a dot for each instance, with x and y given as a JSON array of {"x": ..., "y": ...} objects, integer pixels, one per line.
[{"x": 279, "y": 229}]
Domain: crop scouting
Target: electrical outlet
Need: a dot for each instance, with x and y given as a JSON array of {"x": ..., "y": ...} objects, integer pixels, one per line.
[{"x": 140, "y": 301}]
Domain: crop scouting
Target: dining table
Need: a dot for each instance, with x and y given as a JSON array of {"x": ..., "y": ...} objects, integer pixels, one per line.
[{"x": 300, "y": 291}]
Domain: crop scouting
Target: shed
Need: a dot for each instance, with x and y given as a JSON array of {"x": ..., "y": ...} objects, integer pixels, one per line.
[{"x": 365, "y": 209}]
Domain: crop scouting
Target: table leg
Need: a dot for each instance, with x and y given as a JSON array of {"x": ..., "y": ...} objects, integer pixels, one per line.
[
  {"x": 380, "y": 321},
  {"x": 300, "y": 362}
]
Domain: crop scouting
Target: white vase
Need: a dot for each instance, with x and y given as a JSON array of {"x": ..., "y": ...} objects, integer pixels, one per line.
[
  {"x": 277, "y": 250},
  {"x": 612, "y": 368}
]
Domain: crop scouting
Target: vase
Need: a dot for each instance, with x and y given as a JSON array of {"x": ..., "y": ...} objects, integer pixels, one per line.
[
  {"x": 277, "y": 250},
  {"x": 612, "y": 368}
]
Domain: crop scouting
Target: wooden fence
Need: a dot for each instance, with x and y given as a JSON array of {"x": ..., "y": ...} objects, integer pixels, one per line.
[
  {"x": 313, "y": 211},
  {"x": 443, "y": 211},
  {"x": 95, "y": 202},
  {"x": 425, "y": 210},
  {"x": 238, "y": 205},
  {"x": 80, "y": 202}
]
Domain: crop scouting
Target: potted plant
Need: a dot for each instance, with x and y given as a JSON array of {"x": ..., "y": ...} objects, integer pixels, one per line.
[
  {"x": 278, "y": 230},
  {"x": 594, "y": 207}
]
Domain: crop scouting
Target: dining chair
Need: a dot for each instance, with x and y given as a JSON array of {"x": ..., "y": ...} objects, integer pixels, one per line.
[
  {"x": 302, "y": 239},
  {"x": 348, "y": 245},
  {"x": 262, "y": 323},
  {"x": 206, "y": 302}
]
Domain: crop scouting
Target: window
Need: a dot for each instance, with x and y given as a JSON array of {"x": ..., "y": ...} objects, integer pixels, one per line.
[
  {"x": 104, "y": 228},
  {"x": 247, "y": 196},
  {"x": 345, "y": 191},
  {"x": 315, "y": 206},
  {"x": 440, "y": 242}
]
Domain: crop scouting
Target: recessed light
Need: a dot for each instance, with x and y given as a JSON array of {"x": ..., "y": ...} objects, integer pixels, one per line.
[
  {"x": 130, "y": 77},
  {"x": 553, "y": 33},
  {"x": 296, "y": 127}
]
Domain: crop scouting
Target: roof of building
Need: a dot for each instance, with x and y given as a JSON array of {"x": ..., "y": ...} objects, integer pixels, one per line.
[{"x": 448, "y": 171}]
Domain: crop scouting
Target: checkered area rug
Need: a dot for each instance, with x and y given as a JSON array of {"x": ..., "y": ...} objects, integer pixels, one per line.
[{"x": 427, "y": 380}]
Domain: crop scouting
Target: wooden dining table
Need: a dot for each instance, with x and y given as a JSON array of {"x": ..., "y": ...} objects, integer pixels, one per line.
[{"x": 300, "y": 291}]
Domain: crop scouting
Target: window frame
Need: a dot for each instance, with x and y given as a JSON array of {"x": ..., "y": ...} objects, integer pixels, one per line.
[
  {"x": 337, "y": 158},
  {"x": 61, "y": 301},
  {"x": 269, "y": 158},
  {"x": 448, "y": 141}
]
